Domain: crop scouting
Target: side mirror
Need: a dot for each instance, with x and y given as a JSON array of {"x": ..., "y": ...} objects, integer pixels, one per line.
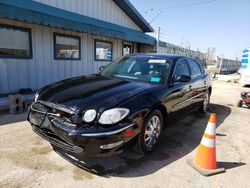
[
  {"x": 101, "y": 68},
  {"x": 182, "y": 78}
]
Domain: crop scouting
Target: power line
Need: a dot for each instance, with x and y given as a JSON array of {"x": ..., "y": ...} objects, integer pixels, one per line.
[
  {"x": 191, "y": 4},
  {"x": 183, "y": 6}
]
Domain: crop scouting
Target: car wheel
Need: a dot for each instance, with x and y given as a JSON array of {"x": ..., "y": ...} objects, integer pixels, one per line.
[
  {"x": 151, "y": 132},
  {"x": 204, "y": 108},
  {"x": 239, "y": 103}
]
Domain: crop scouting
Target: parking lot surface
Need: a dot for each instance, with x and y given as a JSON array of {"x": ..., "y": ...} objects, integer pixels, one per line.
[{"x": 26, "y": 160}]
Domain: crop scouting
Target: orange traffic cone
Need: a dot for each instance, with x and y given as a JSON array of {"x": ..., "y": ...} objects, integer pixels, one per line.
[{"x": 205, "y": 160}]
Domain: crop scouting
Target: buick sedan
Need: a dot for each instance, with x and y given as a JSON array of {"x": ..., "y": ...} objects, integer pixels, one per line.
[{"x": 130, "y": 101}]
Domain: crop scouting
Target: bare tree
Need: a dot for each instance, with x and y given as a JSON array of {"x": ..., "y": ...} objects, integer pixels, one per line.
[{"x": 211, "y": 57}]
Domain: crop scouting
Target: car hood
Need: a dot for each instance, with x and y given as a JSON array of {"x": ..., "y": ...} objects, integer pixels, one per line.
[{"x": 94, "y": 91}]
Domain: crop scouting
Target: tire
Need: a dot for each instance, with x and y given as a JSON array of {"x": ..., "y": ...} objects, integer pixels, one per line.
[
  {"x": 151, "y": 132},
  {"x": 239, "y": 103},
  {"x": 205, "y": 105}
]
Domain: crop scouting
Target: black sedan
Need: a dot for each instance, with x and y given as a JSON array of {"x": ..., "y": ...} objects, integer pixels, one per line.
[{"x": 131, "y": 100}]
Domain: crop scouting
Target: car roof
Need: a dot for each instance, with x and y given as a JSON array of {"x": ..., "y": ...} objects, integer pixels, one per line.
[{"x": 174, "y": 57}]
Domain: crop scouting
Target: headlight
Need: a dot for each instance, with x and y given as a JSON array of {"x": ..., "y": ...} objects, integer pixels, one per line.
[
  {"x": 89, "y": 116},
  {"x": 36, "y": 96},
  {"x": 113, "y": 115}
]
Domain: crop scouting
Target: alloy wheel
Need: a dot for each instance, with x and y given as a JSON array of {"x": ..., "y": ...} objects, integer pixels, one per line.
[
  {"x": 152, "y": 131},
  {"x": 206, "y": 102}
]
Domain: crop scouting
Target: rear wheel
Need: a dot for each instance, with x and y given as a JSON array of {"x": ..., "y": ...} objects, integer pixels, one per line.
[
  {"x": 204, "y": 108},
  {"x": 151, "y": 132}
]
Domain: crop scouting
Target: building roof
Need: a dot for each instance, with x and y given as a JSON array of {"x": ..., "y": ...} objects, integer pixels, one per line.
[
  {"x": 38, "y": 13},
  {"x": 132, "y": 12}
]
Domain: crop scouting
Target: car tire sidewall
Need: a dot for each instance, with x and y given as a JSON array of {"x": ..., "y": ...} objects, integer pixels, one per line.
[
  {"x": 239, "y": 103},
  {"x": 202, "y": 107},
  {"x": 140, "y": 143}
]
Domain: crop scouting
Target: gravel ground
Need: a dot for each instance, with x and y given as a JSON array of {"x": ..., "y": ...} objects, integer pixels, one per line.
[{"x": 26, "y": 160}]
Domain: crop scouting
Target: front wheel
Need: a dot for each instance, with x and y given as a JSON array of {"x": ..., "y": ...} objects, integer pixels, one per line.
[
  {"x": 151, "y": 132},
  {"x": 239, "y": 103}
]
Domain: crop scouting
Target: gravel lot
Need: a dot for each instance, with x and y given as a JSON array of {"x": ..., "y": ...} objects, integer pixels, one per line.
[{"x": 26, "y": 160}]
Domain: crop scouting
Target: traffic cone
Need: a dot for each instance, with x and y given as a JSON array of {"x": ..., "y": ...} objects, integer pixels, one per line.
[{"x": 205, "y": 160}]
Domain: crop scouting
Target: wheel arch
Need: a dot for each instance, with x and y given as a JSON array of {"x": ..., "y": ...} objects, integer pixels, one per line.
[{"x": 163, "y": 111}]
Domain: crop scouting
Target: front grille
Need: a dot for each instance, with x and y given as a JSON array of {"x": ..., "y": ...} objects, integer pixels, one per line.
[
  {"x": 59, "y": 111},
  {"x": 53, "y": 139}
]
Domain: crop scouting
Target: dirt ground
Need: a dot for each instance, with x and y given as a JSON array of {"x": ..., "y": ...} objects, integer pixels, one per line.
[{"x": 26, "y": 160}]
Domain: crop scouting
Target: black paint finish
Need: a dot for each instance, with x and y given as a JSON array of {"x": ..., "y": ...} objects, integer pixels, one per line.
[{"x": 101, "y": 93}]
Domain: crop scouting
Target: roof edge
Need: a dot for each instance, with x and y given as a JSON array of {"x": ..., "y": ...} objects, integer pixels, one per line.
[
  {"x": 42, "y": 14},
  {"x": 133, "y": 13}
]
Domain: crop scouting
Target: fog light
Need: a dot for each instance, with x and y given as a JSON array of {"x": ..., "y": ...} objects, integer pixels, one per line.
[{"x": 112, "y": 145}]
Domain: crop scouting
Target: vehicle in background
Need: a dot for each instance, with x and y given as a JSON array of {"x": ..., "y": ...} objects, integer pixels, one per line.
[
  {"x": 129, "y": 101},
  {"x": 245, "y": 99},
  {"x": 223, "y": 66},
  {"x": 245, "y": 68}
]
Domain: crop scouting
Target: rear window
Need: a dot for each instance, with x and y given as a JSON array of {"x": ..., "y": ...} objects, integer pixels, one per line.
[{"x": 195, "y": 68}]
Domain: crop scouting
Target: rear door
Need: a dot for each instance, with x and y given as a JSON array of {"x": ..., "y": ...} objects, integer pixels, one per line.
[{"x": 198, "y": 83}]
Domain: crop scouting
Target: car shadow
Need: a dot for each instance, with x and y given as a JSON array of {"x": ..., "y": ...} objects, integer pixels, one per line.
[
  {"x": 178, "y": 141},
  {"x": 247, "y": 86}
]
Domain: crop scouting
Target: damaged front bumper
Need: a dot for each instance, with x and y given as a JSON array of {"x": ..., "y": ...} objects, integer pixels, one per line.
[{"x": 88, "y": 141}]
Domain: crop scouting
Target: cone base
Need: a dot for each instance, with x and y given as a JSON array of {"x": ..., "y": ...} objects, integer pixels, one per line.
[{"x": 205, "y": 172}]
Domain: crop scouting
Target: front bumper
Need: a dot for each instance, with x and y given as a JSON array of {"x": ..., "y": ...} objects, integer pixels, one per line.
[{"x": 93, "y": 141}]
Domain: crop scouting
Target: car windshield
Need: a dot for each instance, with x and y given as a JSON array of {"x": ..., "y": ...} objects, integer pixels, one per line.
[{"x": 144, "y": 69}]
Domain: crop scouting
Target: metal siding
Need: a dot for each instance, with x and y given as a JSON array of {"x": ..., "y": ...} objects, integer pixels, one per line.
[
  {"x": 43, "y": 14},
  {"x": 42, "y": 69},
  {"x": 98, "y": 9},
  {"x": 38, "y": 43},
  {"x": 4, "y": 84}
]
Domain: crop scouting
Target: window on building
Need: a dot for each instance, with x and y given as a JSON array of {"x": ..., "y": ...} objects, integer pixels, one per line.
[
  {"x": 195, "y": 68},
  {"x": 127, "y": 49},
  {"x": 15, "y": 42},
  {"x": 103, "y": 51},
  {"x": 67, "y": 47}
]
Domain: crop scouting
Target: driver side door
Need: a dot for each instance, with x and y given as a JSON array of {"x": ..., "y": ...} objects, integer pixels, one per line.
[{"x": 180, "y": 92}]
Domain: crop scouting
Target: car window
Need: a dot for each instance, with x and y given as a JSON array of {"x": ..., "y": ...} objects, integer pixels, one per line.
[
  {"x": 195, "y": 68},
  {"x": 139, "y": 68},
  {"x": 181, "y": 69}
]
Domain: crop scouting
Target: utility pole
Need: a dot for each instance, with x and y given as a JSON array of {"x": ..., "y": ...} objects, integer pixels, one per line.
[
  {"x": 221, "y": 62},
  {"x": 158, "y": 35}
]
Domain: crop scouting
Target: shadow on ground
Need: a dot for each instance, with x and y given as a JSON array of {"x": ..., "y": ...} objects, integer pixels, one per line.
[
  {"x": 247, "y": 86},
  {"x": 178, "y": 140},
  {"x": 229, "y": 165}
]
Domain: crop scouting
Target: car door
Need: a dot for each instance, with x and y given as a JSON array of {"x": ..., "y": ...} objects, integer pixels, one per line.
[
  {"x": 180, "y": 92},
  {"x": 198, "y": 83}
]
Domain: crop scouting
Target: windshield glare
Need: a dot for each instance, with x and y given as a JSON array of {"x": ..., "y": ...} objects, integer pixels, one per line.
[{"x": 144, "y": 69}]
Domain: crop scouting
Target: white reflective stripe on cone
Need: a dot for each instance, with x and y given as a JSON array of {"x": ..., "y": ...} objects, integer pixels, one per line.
[
  {"x": 210, "y": 129},
  {"x": 208, "y": 142}
]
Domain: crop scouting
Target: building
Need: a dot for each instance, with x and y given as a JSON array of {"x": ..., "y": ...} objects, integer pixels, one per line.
[
  {"x": 165, "y": 47},
  {"x": 43, "y": 41}
]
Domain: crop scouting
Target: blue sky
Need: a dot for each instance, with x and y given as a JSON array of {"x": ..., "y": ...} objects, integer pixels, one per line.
[{"x": 223, "y": 24}]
